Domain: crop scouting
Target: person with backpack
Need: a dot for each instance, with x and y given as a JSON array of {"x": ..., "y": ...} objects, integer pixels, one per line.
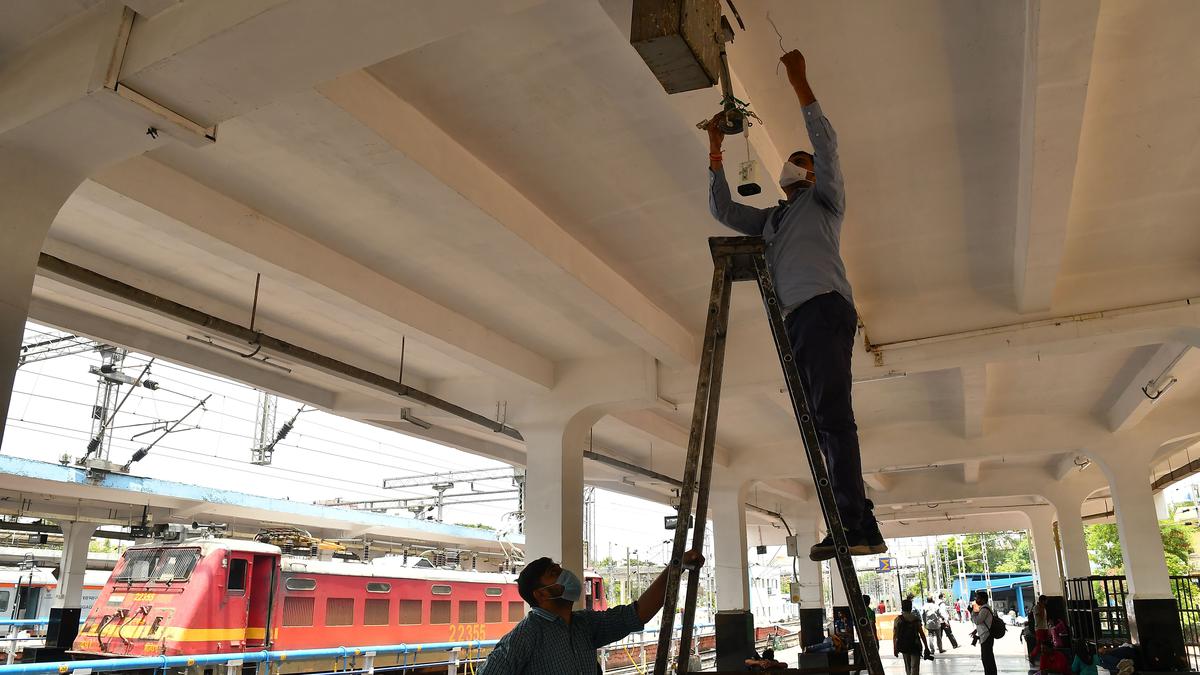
[
  {"x": 933, "y": 622},
  {"x": 988, "y": 629},
  {"x": 908, "y": 638}
]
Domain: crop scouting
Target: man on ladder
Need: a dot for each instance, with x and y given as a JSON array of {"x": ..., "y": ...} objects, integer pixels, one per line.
[{"x": 802, "y": 236}]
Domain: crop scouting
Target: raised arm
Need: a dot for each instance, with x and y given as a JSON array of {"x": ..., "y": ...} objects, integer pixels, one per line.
[
  {"x": 735, "y": 216},
  {"x": 828, "y": 187}
]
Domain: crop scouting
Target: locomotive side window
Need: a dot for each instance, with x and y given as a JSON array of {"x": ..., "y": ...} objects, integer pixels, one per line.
[
  {"x": 516, "y": 611},
  {"x": 237, "y": 575},
  {"x": 493, "y": 612},
  {"x": 339, "y": 611},
  {"x": 493, "y": 591},
  {"x": 378, "y": 587},
  {"x": 439, "y": 589},
  {"x": 301, "y": 584},
  {"x": 468, "y": 611},
  {"x": 376, "y": 612},
  {"x": 297, "y": 611},
  {"x": 410, "y": 612},
  {"x": 3, "y": 601},
  {"x": 439, "y": 611}
]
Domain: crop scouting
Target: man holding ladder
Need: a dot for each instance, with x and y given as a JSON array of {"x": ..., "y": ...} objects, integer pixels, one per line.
[{"x": 802, "y": 236}]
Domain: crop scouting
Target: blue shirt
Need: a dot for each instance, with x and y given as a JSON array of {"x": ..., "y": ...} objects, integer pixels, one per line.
[
  {"x": 803, "y": 235},
  {"x": 544, "y": 644}
]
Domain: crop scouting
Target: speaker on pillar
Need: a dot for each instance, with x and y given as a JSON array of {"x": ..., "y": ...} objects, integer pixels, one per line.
[{"x": 735, "y": 639}]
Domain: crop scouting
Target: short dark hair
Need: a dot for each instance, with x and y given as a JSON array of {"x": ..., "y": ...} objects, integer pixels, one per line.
[
  {"x": 806, "y": 153},
  {"x": 981, "y": 597},
  {"x": 906, "y": 605},
  {"x": 530, "y": 579},
  {"x": 866, "y": 598}
]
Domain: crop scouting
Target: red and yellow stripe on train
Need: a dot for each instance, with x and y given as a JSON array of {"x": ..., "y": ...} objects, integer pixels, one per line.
[{"x": 222, "y": 595}]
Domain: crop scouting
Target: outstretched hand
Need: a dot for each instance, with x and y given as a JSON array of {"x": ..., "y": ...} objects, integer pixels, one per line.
[{"x": 715, "y": 136}]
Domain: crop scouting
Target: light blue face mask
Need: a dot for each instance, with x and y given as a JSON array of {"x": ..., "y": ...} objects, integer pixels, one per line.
[{"x": 572, "y": 587}]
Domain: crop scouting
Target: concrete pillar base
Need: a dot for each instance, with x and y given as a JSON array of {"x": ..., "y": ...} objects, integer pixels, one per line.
[
  {"x": 735, "y": 639},
  {"x": 1154, "y": 626}
]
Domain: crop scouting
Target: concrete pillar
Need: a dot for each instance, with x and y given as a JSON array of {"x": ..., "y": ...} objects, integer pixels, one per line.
[
  {"x": 1045, "y": 555},
  {"x": 32, "y": 190},
  {"x": 554, "y": 493},
  {"x": 1161, "y": 508},
  {"x": 810, "y": 596},
  {"x": 1070, "y": 535},
  {"x": 1151, "y": 607},
  {"x": 76, "y": 537},
  {"x": 732, "y": 565}
]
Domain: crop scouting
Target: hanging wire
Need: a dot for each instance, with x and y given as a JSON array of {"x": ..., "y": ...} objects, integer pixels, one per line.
[{"x": 782, "y": 50}]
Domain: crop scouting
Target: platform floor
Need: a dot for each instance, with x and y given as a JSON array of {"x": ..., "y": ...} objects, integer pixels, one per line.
[{"x": 1010, "y": 656}]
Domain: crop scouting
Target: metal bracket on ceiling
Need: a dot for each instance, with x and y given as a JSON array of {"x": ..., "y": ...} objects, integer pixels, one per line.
[{"x": 160, "y": 118}]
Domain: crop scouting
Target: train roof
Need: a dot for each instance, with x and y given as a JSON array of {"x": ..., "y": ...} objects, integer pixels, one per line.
[
  {"x": 210, "y": 544},
  {"x": 391, "y": 568}
]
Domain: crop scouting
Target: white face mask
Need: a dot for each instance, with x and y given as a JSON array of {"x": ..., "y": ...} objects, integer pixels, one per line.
[{"x": 792, "y": 174}]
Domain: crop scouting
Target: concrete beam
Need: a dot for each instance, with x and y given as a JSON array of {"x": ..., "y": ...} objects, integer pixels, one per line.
[
  {"x": 1133, "y": 403},
  {"x": 974, "y": 399},
  {"x": 970, "y": 471},
  {"x": 657, "y": 426},
  {"x": 791, "y": 490},
  {"x": 1110, "y": 329},
  {"x": 992, "y": 522},
  {"x": 878, "y": 482},
  {"x": 607, "y": 295},
  {"x": 1065, "y": 464},
  {"x": 211, "y": 221},
  {"x": 1058, "y": 62}
]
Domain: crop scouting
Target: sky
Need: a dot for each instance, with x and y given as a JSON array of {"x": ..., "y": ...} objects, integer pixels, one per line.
[{"x": 324, "y": 457}]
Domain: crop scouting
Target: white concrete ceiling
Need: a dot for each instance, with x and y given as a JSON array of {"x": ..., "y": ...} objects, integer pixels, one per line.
[{"x": 516, "y": 193}]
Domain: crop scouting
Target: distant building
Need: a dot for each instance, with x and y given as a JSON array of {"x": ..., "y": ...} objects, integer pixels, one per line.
[{"x": 1008, "y": 590}]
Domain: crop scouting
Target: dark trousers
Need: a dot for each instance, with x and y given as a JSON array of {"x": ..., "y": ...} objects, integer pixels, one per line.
[
  {"x": 949, "y": 633},
  {"x": 988, "y": 656},
  {"x": 822, "y": 335}
]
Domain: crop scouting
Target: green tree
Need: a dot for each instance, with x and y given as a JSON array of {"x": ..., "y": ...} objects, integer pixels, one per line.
[
  {"x": 1104, "y": 547},
  {"x": 1006, "y": 552}
]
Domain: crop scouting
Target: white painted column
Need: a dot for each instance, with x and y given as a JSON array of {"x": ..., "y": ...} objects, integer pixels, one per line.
[
  {"x": 1137, "y": 525},
  {"x": 31, "y": 193},
  {"x": 1041, "y": 532},
  {"x": 554, "y": 494},
  {"x": 1161, "y": 508},
  {"x": 732, "y": 565},
  {"x": 809, "y": 572},
  {"x": 76, "y": 537},
  {"x": 838, "y": 588},
  {"x": 1070, "y": 536}
]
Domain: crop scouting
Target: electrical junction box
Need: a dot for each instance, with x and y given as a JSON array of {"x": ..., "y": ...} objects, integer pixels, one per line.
[
  {"x": 679, "y": 40},
  {"x": 792, "y": 547}
]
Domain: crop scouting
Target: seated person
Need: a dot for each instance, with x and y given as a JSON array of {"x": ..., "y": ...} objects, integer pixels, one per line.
[
  {"x": 1052, "y": 660},
  {"x": 1085, "y": 660},
  {"x": 765, "y": 662}
]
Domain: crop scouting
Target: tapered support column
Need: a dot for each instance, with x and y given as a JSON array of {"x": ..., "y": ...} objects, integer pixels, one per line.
[
  {"x": 31, "y": 193},
  {"x": 1070, "y": 534},
  {"x": 729, "y": 543},
  {"x": 76, "y": 537},
  {"x": 554, "y": 494},
  {"x": 1151, "y": 607},
  {"x": 1045, "y": 554}
]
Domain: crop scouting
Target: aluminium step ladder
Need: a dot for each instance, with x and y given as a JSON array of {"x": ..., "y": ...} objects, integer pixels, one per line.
[{"x": 744, "y": 259}]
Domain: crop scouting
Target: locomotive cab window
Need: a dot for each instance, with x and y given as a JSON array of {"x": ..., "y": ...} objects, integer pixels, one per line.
[
  {"x": 237, "y": 575},
  {"x": 3, "y": 601}
]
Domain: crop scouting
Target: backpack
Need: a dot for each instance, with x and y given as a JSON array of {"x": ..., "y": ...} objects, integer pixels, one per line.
[
  {"x": 933, "y": 622},
  {"x": 908, "y": 641},
  {"x": 996, "y": 627}
]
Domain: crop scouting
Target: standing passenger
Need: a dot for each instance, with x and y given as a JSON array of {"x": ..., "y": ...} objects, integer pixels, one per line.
[{"x": 983, "y": 631}]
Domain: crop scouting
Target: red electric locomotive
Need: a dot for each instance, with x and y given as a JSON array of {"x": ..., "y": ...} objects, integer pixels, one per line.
[{"x": 213, "y": 595}]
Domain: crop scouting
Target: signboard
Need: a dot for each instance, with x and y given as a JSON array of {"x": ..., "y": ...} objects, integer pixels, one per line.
[
  {"x": 887, "y": 565},
  {"x": 670, "y": 522}
]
